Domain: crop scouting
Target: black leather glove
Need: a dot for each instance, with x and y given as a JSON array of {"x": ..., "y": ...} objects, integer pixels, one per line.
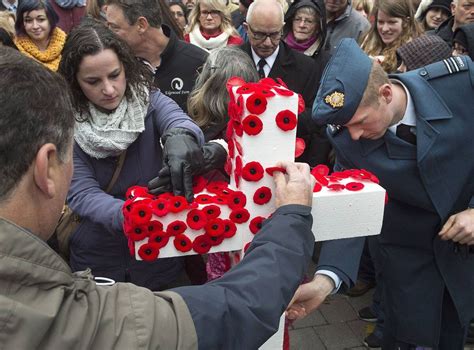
[{"x": 182, "y": 159}]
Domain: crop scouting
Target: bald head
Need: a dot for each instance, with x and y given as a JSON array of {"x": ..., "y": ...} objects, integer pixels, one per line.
[{"x": 269, "y": 11}]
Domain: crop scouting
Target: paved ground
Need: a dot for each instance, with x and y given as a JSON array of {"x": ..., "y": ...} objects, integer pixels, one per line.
[{"x": 334, "y": 326}]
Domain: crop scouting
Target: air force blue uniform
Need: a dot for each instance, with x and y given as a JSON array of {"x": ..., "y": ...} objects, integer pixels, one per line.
[{"x": 426, "y": 183}]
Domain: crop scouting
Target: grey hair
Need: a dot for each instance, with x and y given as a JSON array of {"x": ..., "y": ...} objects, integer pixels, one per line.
[
  {"x": 207, "y": 102},
  {"x": 257, "y": 3}
]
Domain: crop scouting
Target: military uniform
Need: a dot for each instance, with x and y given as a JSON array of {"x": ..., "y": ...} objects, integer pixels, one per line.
[{"x": 426, "y": 183}]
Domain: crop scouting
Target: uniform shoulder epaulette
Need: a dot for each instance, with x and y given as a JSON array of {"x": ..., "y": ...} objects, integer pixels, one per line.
[{"x": 448, "y": 66}]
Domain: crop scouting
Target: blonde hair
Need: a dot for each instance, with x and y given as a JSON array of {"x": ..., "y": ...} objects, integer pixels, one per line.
[
  {"x": 366, "y": 5},
  {"x": 226, "y": 21},
  {"x": 5, "y": 22},
  {"x": 373, "y": 45}
]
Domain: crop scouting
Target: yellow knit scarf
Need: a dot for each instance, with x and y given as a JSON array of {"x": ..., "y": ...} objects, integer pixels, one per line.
[{"x": 51, "y": 56}]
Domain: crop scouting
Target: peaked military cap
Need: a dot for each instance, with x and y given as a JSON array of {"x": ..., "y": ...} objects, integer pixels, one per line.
[{"x": 342, "y": 85}]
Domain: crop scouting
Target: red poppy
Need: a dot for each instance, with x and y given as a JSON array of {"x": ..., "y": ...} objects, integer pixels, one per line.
[
  {"x": 239, "y": 215},
  {"x": 148, "y": 252},
  {"x": 239, "y": 130},
  {"x": 239, "y": 148},
  {"x": 374, "y": 179},
  {"x": 211, "y": 211},
  {"x": 229, "y": 228},
  {"x": 238, "y": 170},
  {"x": 154, "y": 226},
  {"x": 177, "y": 204},
  {"x": 230, "y": 148},
  {"x": 252, "y": 171},
  {"x": 267, "y": 81},
  {"x": 332, "y": 178},
  {"x": 252, "y": 125},
  {"x": 176, "y": 227},
  {"x": 321, "y": 179},
  {"x": 282, "y": 83},
  {"x": 140, "y": 213},
  {"x": 215, "y": 227},
  {"x": 246, "y": 246},
  {"x": 196, "y": 219},
  {"x": 336, "y": 187},
  {"x": 236, "y": 200},
  {"x": 320, "y": 169},
  {"x": 262, "y": 195},
  {"x": 199, "y": 183},
  {"x": 286, "y": 120},
  {"x": 317, "y": 187},
  {"x": 182, "y": 243},
  {"x": 138, "y": 233},
  {"x": 256, "y": 103},
  {"x": 202, "y": 244},
  {"x": 354, "y": 186},
  {"x": 265, "y": 91},
  {"x": 137, "y": 191},
  {"x": 301, "y": 104},
  {"x": 203, "y": 199},
  {"x": 360, "y": 174},
  {"x": 271, "y": 170},
  {"x": 339, "y": 174},
  {"x": 160, "y": 238},
  {"x": 239, "y": 107},
  {"x": 220, "y": 200},
  {"x": 283, "y": 91},
  {"x": 228, "y": 166},
  {"x": 216, "y": 186},
  {"x": 300, "y": 146},
  {"x": 127, "y": 206},
  {"x": 234, "y": 81},
  {"x": 166, "y": 195},
  {"x": 216, "y": 240},
  {"x": 246, "y": 89},
  {"x": 256, "y": 224},
  {"x": 229, "y": 132}
]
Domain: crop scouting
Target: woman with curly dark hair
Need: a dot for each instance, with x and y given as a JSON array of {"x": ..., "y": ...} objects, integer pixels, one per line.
[{"x": 117, "y": 112}]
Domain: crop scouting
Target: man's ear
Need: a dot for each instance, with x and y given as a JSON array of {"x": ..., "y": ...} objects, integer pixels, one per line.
[
  {"x": 386, "y": 93},
  {"x": 45, "y": 167},
  {"x": 142, "y": 24}
]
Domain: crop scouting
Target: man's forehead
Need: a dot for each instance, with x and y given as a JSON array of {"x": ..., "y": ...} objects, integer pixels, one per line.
[{"x": 114, "y": 14}]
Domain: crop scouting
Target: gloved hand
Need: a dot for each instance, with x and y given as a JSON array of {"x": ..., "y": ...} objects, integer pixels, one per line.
[
  {"x": 182, "y": 159},
  {"x": 214, "y": 157}
]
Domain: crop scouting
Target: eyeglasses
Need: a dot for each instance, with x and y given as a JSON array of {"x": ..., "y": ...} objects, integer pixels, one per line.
[
  {"x": 213, "y": 13},
  {"x": 261, "y": 36},
  {"x": 304, "y": 21}
]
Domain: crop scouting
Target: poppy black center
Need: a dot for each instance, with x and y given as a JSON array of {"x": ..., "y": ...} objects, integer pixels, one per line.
[
  {"x": 210, "y": 211},
  {"x": 215, "y": 227},
  {"x": 226, "y": 228},
  {"x": 138, "y": 230},
  {"x": 259, "y": 225},
  {"x": 253, "y": 171},
  {"x": 141, "y": 213},
  {"x": 158, "y": 239},
  {"x": 150, "y": 228},
  {"x": 177, "y": 204},
  {"x": 161, "y": 206},
  {"x": 286, "y": 120},
  {"x": 148, "y": 251},
  {"x": 128, "y": 208},
  {"x": 196, "y": 218},
  {"x": 176, "y": 227},
  {"x": 236, "y": 200},
  {"x": 262, "y": 195},
  {"x": 183, "y": 243},
  {"x": 258, "y": 102},
  {"x": 252, "y": 124},
  {"x": 238, "y": 216}
]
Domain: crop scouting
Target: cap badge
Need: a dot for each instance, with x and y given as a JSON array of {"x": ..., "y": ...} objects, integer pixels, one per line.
[{"x": 335, "y": 100}]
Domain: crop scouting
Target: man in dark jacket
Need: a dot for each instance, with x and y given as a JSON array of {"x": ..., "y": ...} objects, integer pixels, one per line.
[
  {"x": 463, "y": 13},
  {"x": 175, "y": 63}
]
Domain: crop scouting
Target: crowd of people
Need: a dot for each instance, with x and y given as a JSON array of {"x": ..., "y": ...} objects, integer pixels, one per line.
[{"x": 139, "y": 95}]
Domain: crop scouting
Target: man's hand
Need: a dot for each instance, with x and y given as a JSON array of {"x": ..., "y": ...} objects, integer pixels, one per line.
[
  {"x": 296, "y": 187},
  {"x": 459, "y": 228},
  {"x": 309, "y": 296},
  {"x": 182, "y": 158}
]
